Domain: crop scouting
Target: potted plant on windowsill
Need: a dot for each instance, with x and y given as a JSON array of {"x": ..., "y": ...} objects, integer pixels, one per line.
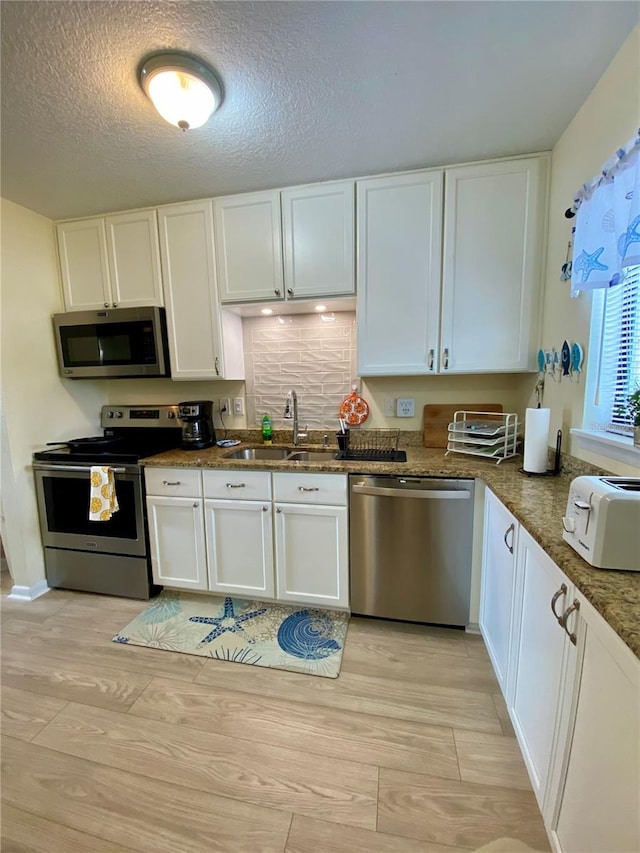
[{"x": 633, "y": 408}]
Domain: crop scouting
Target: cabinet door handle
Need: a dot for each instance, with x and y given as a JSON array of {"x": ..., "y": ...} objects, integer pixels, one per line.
[
  {"x": 115, "y": 304},
  {"x": 290, "y": 291},
  {"x": 277, "y": 292},
  {"x": 216, "y": 365},
  {"x": 445, "y": 358},
  {"x": 563, "y": 620},
  {"x": 561, "y": 591},
  {"x": 266, "y": 509},
  {"x": 236, "y": 485},
  {"x": 278, "y": 510},
  {"x": 171, "y": 483},
  {"x": 308, "y": 489},
  {"x": 196, "y": 504},
  {"x": 510, "y": 530},
  {"x": 430, "y": 359},
  {"x": 106, "y": 304}
]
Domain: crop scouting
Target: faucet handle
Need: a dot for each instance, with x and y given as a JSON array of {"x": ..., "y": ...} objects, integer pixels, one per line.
[{"x": 305, "y": 433}]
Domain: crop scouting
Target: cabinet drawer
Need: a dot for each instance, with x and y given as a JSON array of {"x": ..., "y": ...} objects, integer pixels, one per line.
[
  {"x": 239, "y": 485},
  {"x": 177, "y": 482},
  {"x": 310, "y": 488}
]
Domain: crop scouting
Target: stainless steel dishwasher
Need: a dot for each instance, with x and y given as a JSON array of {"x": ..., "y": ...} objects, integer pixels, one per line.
[{"x": 410, "y": 545}]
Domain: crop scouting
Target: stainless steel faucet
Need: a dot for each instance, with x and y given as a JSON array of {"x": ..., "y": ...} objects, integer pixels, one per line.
[{"x": 291, "y": 411}]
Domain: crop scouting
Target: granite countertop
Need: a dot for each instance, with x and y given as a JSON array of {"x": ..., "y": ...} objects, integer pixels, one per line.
[{"x": 537, "y": 502}]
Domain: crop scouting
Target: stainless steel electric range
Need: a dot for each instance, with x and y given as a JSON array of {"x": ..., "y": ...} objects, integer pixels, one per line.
[{"x": 110, "y": 557}]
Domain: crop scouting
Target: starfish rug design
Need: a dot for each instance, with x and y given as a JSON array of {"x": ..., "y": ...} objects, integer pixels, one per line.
[{"x": 259, "y": 633}]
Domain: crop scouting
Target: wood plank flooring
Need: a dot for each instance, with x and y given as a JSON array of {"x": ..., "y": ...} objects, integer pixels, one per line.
[{"x": 109, "y": 748}]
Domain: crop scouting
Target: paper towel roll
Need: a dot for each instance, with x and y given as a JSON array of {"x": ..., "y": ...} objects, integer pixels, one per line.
[{"x": 536, "y": 440}]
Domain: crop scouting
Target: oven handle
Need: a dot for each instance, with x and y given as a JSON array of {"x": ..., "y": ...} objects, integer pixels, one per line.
[{"x": 83, "y": 468}]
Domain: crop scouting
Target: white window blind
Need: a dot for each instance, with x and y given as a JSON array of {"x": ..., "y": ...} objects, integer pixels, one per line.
[{"x": 618, "y": 373}]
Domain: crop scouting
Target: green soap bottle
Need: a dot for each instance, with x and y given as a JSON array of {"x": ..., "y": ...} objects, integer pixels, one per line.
[{"x": 267, "y": 431}]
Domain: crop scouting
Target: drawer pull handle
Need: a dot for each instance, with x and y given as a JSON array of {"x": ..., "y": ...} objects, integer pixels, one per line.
[
  {"x": 563, "y": 621},
  {"x": 510, "y": 530},
  {"x": 561, "y": 591},
  {"x": 308, "y": 489},
  {"x": 171, "y": 483},
  {"x": 236, "y": 485}
]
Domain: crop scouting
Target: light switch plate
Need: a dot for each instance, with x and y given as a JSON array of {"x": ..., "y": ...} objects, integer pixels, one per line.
[
  {"x": 406, "y": 407},
  {"x": 238, "y": 406},
  {"x": 389, "y": 407}
]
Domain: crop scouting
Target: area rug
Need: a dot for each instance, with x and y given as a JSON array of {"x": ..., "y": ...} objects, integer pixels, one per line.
[{"x": 259, "y": 633}]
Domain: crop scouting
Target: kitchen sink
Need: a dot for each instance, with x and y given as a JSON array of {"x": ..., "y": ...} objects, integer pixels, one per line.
[
  {"x": 260, "y": 453},
  {"x": 288, "y": 454},
  {"x": 317, "y": 455}
]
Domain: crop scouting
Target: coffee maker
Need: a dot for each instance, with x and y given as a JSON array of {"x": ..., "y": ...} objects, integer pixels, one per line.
[{"x": 197, "y": 424}]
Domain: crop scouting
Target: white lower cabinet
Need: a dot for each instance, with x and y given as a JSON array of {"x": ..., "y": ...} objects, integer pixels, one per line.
[
  {"x": 176, "y": 537},
  {"x": 498, "y": 584},
  {"x": 573, "y": 693},
  {"x": 228, "y": 542},
  {"x": 543, "y": 657},
  {"x": 598, "y": 810}
]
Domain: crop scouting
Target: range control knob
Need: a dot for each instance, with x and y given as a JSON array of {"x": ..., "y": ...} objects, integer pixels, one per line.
[
  {"x": 109, "y": 414},
  {"x": 117, "y": 414},
  {"x": 171, "y": 415}
]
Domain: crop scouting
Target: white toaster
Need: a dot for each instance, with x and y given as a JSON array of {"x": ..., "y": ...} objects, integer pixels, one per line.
[{"x": 602, "y": 521}]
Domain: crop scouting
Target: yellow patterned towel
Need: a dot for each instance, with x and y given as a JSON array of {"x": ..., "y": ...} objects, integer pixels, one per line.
[{"x": 103, "y": 501}]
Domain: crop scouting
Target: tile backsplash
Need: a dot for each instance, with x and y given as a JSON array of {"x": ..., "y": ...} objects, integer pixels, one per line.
[{"x": 304, "y": 352}]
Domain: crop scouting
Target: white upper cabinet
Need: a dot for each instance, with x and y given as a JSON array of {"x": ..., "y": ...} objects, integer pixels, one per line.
[
  {"x": 319, "y": 240},
  {"x": 197, "y": 331},
  {"x": 305, "y": 251},
  {"x": 249, "y": 246},
  {"x": 398, "y": 264},
  {"x": 111, "y": 262},
  {"x": 473, "y": 310},
  {"x": 134, "y": 259},
  {"x": 494, "y": 222},
  {"x": 84, "y": 267}
]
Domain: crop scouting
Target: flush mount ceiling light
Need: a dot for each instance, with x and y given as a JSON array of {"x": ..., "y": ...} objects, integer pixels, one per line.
[{"x": 183, "y": 89}]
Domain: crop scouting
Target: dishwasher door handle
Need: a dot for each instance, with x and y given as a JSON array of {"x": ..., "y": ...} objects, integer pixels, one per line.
[{"x": 422, "y": 494}]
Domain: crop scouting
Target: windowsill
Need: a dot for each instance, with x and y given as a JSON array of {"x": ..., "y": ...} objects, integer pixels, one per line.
[{"x": 614, "y": 446}]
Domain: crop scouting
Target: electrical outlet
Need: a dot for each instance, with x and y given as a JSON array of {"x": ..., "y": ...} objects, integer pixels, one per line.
[
  {"x": 238, "y": 406},
  {"x": 225, "y": 405},
  {"x": 389, "y": 407},
  {"x": 406, "y": 407}
]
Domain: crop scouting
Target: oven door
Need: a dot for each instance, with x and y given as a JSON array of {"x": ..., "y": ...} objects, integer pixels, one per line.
[{"x": 63, "y": 493}]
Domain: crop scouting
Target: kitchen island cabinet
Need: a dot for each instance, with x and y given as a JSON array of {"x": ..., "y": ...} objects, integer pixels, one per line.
[{"x": 110, "y": 262}]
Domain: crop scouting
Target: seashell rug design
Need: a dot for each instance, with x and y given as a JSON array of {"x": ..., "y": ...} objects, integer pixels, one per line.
[{"x": 260, "y": 633}]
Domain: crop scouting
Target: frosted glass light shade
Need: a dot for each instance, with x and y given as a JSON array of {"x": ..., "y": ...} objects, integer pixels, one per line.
[{"x": 183, "y": 90}]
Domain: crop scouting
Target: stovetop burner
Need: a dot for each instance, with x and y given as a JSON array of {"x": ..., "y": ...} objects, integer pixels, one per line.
[{"x": 140, "y": 433}]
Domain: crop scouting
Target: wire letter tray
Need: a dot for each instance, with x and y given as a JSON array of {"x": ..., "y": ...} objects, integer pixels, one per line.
[{"x": 494, "y": 436}]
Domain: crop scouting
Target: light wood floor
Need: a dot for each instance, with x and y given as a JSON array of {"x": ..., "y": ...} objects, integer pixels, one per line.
[{"x": 113, "y": 748}]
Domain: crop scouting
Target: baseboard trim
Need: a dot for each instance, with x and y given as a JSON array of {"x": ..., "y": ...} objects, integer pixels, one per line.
[{"x": 28, "y": 593}]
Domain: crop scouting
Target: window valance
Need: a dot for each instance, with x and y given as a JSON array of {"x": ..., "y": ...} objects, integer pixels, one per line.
[{"x": 607, "y": 231}]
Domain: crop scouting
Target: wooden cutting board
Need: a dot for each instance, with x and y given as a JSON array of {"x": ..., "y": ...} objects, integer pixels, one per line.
[{"x": 438, "y": 416}]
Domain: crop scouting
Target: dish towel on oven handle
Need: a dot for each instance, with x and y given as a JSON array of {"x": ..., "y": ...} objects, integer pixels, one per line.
[{"x": 103, "y": 502}]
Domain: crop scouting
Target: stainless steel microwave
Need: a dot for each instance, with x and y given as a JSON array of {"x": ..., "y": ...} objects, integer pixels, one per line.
[{"x": 112, "y": 344}]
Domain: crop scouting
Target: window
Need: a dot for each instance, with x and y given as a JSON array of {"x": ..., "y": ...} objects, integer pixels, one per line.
[{"x": 614, "y": 371}]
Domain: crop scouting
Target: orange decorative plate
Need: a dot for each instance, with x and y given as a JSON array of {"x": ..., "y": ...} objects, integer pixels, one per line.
[{"x": 354, "y": 410}]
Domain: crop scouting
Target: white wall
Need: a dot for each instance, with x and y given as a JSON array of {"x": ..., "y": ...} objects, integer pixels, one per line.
[
  {"x": 608, "y": 118},
  {"x": 37, "y": 406}
]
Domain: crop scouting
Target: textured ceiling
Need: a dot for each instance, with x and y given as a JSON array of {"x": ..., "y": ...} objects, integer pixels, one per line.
[{"x": 313, "y": 91}]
